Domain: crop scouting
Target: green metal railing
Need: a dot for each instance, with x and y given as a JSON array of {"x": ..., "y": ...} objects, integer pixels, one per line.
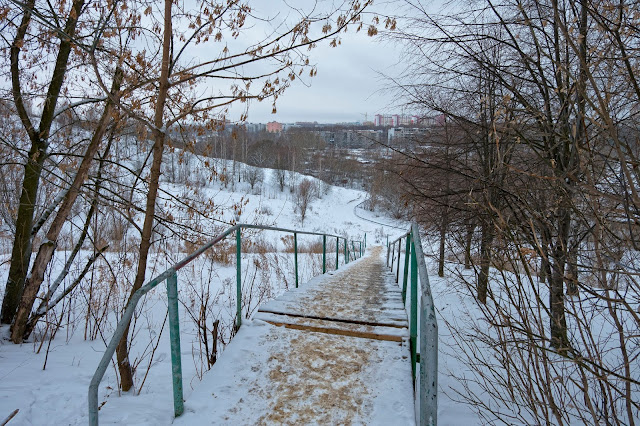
[
  {"x": 415, "y": 269},
  {"x": 171, "y": 277}
]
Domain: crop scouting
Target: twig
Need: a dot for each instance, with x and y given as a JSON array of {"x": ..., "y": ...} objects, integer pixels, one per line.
[{"x": 12, "y": 415}]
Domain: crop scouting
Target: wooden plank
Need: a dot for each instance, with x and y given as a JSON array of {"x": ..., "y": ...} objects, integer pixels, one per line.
[
  {"x": 338, "y": 331},
  {"x": 346, "y": 321}
]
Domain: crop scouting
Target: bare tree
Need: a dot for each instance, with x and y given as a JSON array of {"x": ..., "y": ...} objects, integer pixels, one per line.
[
  {"x": 304, "y": 195},
  {"x": 255, "y": 175},
  {"x": 173, "y": 98},
  {"x": 542, "y": 92},
  {"x": 38, "y": 137}
]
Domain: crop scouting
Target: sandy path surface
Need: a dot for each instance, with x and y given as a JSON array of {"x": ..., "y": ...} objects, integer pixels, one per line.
[{"x": 276, "y": 375}]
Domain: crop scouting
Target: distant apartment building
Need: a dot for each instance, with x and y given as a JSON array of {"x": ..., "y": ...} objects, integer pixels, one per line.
[
  {"x": 397, "y": 135},
  {"x": 287, "y": 126},
  {"x": 274, "y": 127},
  {"x": 349, "y": 138},
  {"x": 255, "y": 127},
  {"x": 395, "y": 120},
  {"x": 381, "y": 120}
]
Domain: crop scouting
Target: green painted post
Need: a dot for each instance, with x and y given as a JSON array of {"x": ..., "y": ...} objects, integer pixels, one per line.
[
  {"x": 238, "y": 279},
  {"x": 324, "y": 254},
  {"x": 392, "y": 247},
  {"x": 398, "y": 265},
  {"x": 295, "y": 254},
  {"x": 365, "y": 240},
  {"x": 174, "y": 334},
  {"x": 353, "y": 248},
  {"x": 413, "y": 323},
  {"x": 346, "y": 258},
  {"x": 388, "y": 250},
  {"x": 407, "y": 254},
  {"x": 337, "y": 252}
]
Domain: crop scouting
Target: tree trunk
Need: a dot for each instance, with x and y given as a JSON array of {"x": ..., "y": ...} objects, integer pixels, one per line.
[
  {"x": 572, "y": 272},
  {"x": 544, "y": 267},
  {"x": 20, "y": 331},
  {"x": 468, "y": 241},
  {"x": 486, "y": 239},
  {"x": 443, "y": 236},
  {"x": 558, "y": 320},
  {"x": 122, "y": 351},
  {"x": 21, "y": 251}
]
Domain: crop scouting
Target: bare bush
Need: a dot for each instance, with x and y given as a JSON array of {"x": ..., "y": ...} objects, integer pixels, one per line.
[{"x": 306, "y": 192}]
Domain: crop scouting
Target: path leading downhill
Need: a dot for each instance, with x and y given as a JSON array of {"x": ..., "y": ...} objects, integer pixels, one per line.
[{"x": 331, "y": 352}]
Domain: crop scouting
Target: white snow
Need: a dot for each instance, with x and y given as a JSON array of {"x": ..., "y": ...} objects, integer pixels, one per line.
[
  {"x": 57, "y": 394},
  {"x": 47, "y": 380}
]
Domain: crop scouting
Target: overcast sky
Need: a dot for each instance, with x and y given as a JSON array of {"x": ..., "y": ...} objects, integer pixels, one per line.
[{"x": 348, "y": 85}]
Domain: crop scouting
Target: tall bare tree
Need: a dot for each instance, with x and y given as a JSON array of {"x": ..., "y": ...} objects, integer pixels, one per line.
[
  {"x": 271, "y": 65},
  {"x": 38, "y": 135},
  {"x": 554, "y": 113}
]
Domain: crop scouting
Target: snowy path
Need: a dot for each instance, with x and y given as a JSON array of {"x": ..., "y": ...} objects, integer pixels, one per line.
[
  {"x": 331, "y": 352},
  {"x": 377, "y": 222}
]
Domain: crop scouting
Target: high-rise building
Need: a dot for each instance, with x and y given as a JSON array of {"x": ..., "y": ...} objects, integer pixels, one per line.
[
  {"x": 274, "y": 127},
  {"x": 395, "y": 120},
  {"x": 256, "y": 127}
]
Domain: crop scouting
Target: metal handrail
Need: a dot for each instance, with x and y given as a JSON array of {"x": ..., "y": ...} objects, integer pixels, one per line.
[
  {"x": 415, "y": 266},
  {"x": 170, "y": 275}
]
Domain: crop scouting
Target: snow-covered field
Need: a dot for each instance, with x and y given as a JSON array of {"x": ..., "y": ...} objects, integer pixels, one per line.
[{"x": 47, "y": 380}]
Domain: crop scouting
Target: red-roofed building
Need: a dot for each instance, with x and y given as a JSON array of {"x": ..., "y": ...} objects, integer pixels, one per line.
[{"x": 274, "y": 127}]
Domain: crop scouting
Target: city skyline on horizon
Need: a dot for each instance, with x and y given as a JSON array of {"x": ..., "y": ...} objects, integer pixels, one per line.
[{"x": 390, "y": 120}]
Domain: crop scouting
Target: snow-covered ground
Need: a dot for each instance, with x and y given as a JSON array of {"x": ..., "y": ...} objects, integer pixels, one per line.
[
  {"x": 48, "y": 380},
  {"x": 277, "y": 375}
]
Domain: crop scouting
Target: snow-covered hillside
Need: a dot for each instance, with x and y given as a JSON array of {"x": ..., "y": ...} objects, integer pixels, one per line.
[{"x": 47, "y": 380}]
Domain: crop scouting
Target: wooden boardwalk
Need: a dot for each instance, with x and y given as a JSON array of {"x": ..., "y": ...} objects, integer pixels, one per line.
[{"x": 334, "y": 351}]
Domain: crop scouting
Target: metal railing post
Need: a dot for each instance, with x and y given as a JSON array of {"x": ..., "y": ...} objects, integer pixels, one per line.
[
  {"x": 393, "y": 256},
  {"x": 407, "y": 254},
  {"x": 174, "y": 334},
  {"x": 413, "y": 321},
  {"x": 238, "y": 278},
  {"x": 428, "y": 404},
  {"x": 295, "y": 254},
  {"x": 170, "y": 275},
  {"x": 346, "y": 256},
  {"x": 324, "y": 254},
  {"x": 398, "y": 265}
]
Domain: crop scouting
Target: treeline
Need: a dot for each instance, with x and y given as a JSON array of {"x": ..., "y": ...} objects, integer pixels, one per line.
[
  {"x": 532, "y": 180},
  {"x": 300, "y": 150}
]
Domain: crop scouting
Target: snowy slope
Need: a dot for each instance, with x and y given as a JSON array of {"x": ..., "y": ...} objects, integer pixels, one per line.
[{"x": 48, "y": 381}]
